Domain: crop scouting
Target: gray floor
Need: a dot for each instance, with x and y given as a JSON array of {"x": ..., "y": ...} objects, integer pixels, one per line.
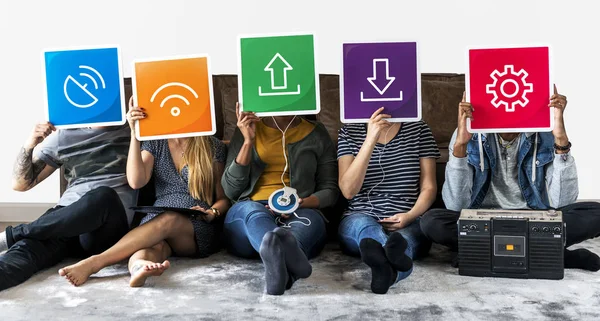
[{"x": 226, "y": 288}]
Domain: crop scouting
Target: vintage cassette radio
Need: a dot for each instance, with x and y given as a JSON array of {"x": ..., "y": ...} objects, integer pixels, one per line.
[{"x": 512, "y": 244}]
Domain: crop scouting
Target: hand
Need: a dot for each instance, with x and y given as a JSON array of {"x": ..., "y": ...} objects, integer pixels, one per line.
[
  {"x": 396, "y": 222},
  {"x": 246, "y": 122},
  {"x": 377, "y": 123},
  {"x": 134, "y": 114},
  {"x": 208, "y": 214},
  {"x": 284, "y": 216},
  {"x": 559, "y": 102},
  {"x": 465, "y": 111},
  {"x": 39, "y": 133}
]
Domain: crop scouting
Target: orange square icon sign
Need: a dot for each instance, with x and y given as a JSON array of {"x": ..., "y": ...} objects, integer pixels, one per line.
[{"x": 177, "y": 96}]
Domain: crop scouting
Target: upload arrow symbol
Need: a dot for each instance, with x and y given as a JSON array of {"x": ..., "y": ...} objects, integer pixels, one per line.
[{"x": 278, "y": 67}]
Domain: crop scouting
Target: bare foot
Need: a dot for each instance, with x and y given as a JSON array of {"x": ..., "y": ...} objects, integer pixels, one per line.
[
  {"x": 142, "y": 269},
  {"x": 78, "y": 273}
]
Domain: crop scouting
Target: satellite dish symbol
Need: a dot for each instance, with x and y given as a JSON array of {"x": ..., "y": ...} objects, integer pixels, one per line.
[
  {"x": 175, "y": 111},
  {"x": 70, "y": 80}
]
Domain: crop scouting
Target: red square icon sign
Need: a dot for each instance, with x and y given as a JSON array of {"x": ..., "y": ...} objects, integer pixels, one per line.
[{"x": 509, "y": 89}]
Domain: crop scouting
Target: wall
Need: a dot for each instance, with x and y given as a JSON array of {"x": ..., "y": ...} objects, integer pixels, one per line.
[{"x": 158, "y": 28}]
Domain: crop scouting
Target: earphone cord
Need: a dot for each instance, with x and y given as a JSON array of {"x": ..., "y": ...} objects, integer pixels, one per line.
[
  {"x": 283, "y": 224},
  {"x": 283, "y": 145},
  {"x": 278, "y": 219},
  {"x": 382, "y": 171}
]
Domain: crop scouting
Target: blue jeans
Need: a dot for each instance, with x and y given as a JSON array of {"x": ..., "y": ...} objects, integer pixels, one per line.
[
  {"x": 357, "y": 226},
  {"x": 247, "y": 223}
]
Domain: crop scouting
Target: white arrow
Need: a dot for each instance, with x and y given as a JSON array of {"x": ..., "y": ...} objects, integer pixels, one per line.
[
  {"x": 387, "y": 75},
  {"x": 285, "y": 70}
]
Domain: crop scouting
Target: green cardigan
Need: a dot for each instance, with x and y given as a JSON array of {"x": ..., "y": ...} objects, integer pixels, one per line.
[{"x": 312, "y": 167}]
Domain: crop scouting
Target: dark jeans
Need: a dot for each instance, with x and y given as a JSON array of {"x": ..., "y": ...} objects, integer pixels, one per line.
[
  {"x": 247, "y": 223},
  {"x": 582, "y": 220},
  {"x": 87, "y": 227}
]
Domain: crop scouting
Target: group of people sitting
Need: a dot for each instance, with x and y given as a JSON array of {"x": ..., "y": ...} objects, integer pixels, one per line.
[{"x": 386, "y": 171}]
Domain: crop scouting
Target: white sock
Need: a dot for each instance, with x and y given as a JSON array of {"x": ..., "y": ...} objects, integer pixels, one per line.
[{"x": 3, "y": 244}]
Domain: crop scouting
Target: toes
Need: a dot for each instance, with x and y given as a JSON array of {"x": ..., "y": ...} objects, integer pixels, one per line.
[{"x": 62, "y": 272}]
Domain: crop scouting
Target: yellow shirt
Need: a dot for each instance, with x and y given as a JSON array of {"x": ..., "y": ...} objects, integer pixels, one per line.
[{"x": 269, "y": 149}]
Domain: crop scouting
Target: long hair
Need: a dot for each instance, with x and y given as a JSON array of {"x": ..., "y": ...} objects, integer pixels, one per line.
[{"x": 199, "y": 157}]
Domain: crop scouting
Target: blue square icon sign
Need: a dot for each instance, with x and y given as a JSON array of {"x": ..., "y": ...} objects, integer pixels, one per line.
[{"x": 84, "y": 87}]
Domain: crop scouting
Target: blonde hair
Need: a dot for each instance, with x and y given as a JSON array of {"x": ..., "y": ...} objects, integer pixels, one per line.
[{"x": 199, "y": 157}]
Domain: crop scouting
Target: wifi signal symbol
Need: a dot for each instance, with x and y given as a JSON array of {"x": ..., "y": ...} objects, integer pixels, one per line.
[{"x": 175, "y": 111}]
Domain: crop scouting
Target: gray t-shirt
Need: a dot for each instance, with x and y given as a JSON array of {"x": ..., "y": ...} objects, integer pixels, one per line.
[
  {"x": 505, "y": 192},
  {"x": 91, "y": 157}
]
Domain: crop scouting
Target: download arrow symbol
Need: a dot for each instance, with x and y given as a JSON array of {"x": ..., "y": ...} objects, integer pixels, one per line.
[
  {"x": 388, "y": 80},
  {"x": 281, "y": 70}
]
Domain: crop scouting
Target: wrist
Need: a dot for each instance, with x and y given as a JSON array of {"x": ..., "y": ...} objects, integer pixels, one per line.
[
  {"x": 459, "y": 150},
  {"x": 248, "y": 141},
  {"x": 28, "y": 146},
  {"x": 412, "y": 215},
  {"x": 215, "y": 211},
  {"x": 561, "y": 140}
]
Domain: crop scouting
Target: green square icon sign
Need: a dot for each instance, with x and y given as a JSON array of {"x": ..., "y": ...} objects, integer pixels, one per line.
[{"x": 278, "y": 75}]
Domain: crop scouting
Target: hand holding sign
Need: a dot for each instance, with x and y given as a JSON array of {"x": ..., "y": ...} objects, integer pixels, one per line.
[
  {"x": 465, "y": 111},
  {"x": 246, "y": 122},
  {"x": 39, "y": 133},
  {"x": 559, "y": 102},
  {"x": 377, "y": 123},
  {"x": 134, "y": 114}
]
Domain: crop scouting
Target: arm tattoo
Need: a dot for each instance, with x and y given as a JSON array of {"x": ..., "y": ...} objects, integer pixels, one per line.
[{"x": 26, "y": 169}]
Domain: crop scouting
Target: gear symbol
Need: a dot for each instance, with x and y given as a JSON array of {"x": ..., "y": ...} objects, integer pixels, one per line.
[{"x": 509, "y": 99}]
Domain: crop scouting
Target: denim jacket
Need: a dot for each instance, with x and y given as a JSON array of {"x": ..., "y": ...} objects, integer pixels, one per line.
[{"x": 545, "y": 181}]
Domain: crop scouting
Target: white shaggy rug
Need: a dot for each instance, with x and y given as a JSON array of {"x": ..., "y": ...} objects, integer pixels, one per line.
[{"x": 226, "y": 288}]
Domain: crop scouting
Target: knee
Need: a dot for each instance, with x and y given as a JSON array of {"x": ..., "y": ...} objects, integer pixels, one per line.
[
  {"x": 104, "y": 193},
  {"x": 104, "y": 197},
  {"x": 246, "y": 210},
  {"x": 356, "y": 222},
  {"x": 428, "y": 221},
  {"x": 168, "y": 221}
]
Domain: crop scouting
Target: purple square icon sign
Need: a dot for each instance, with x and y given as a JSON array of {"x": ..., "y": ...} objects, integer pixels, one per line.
[{"x": 381, "y": 74}]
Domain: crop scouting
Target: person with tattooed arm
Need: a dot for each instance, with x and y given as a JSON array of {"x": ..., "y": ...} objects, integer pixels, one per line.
[{"x": 91, "y": 215}]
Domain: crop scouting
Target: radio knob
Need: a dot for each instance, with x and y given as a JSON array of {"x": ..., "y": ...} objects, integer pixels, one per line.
[
  {"x": 557, "y": 230},
  {"x": 473, "y": 227},
  {"x": 535, "y": 229},
  {"x": 546, "y": 229}
]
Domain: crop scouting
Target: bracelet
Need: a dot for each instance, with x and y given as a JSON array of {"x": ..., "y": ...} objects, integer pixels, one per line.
[
  {"x": 562, "y": 148},
  {"x": 216, "y": 211}
]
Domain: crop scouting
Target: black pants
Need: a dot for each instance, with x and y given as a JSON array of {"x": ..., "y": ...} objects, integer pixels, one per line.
[
  {"x": 582, "y": 219},
  {"x": 87, "y": 227}
]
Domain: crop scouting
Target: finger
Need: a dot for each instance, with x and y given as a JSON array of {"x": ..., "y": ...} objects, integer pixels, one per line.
[
  {"x": 252, "y": 118},
  {"x": 464, "y": 99},
  {"x": 131, "y": 102},
  {"x": 40, "y": 133},
  {"x": 243, "y": 120},
  {"x": 137, "y": 118},
  {"x": 285, "y": 216},
  {"x": 555, "y": 90},
  {"x": 237, "y": 110},
  {"x": 380, "y": 117},
  {"x": 377, "y": 112}
]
